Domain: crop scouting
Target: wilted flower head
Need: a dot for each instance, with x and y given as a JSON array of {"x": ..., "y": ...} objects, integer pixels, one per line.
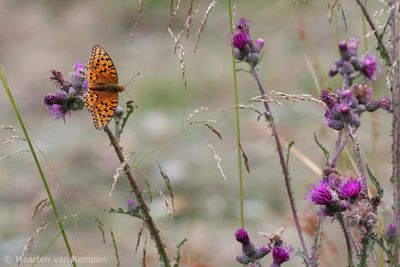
[
  {"x": 363, "y": 214},
  {"x": 362, "y": 92},
  {"x": 281, "y": 254},
  {"x": 69, "y": 96},
  {"x": 250, "y": 254}
]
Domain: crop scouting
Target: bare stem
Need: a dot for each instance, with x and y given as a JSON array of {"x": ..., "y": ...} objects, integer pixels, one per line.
[
  {"x": 340, "y": 145},
  {"x": 348, "y": 242},
  {"x": 360, "y": 164},
  {"x": 317, "y": 241},
  {"x": 154, "y": 232},
  {"x": 285, "y": 170},
  {"x": 364, "y": 252},
  {"x": 395, "y": 87}
]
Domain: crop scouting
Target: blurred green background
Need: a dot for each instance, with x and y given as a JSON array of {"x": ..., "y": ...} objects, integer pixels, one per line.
[{"x": 37, "y": 36}]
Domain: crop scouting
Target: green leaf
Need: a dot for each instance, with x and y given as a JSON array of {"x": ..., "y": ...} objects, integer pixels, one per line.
[
  {"x": 130, "y": 107},
  {"x": 323, "y": 149},
  {"x": 375, "y": 182},
  {"x": 178, "y": 252}
]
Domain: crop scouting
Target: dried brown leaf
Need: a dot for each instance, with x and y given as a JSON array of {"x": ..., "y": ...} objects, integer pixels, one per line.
[
  {"x": 167, "y": 182},
  {"x": 139, "y": 236},
  {"x": 246, "y": 159},
  {"x": 100, "y": 225},
  {"x": 209, "y": 126},
  {"x": 115, "y": 248}
]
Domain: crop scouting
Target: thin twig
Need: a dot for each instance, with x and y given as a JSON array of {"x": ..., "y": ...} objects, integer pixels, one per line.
[
  {"x": 154, "y": 232},
  {"x": 285, "y": 170},
  {"x": 378, "y": 36}
]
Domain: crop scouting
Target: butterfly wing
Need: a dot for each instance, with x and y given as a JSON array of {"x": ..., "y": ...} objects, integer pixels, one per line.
[
  {"x": 101, "y": 71},
  {"x": 102, "y": 106}
]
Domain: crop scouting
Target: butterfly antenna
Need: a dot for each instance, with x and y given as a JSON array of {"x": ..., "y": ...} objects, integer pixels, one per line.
[{"x": 131, "y": 79}]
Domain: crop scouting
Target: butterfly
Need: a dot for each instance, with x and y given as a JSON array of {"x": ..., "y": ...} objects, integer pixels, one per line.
[{"x": 102, "y": 96}]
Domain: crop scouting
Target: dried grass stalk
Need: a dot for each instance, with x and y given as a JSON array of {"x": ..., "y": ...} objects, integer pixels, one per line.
[{"x": 203, "y": 22}]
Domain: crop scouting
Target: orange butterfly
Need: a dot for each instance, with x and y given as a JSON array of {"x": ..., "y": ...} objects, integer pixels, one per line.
[{"x": 102, "y": 94}]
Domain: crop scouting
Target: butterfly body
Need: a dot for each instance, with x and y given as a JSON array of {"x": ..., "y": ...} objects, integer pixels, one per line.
[
  {"x": 111, "y": 88},
  {"x": 102, "y": 92}
]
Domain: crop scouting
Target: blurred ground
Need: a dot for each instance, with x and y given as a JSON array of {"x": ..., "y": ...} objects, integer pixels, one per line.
[{"x": 37, "y": 36}]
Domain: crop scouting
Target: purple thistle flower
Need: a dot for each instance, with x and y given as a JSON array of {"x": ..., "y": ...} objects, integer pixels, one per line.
[
  {"x": 58, "y": 111},
  {"x": 56, "y": 104},
  {"x": 133, "y": 206},
  {"x": 262, "y": 251},
  {"x": 390, "y": 232},
  {"x": 321, "y": 194},
  {"x": 333, "y": 118},
  {"x": 385, "y": 103},
  {"x": 244, "y": 25},
  {"x": 369, "y": 65},
  {"x": 79, "y": 68},
  {"x": 241, "y": 39},
  {"x": 250, "y": 253},
  {"x": 242, "y": 236},
  {"x": 281, "y": 254},
  {"x": 70, "y": 94},
  {"x": 353, "y": 46},
  {"x": 258, "y": 45},
  {"x": 350, "y": 189},
  {"x": 329, "y": 98},
  {"x": 344, "y": 50}
]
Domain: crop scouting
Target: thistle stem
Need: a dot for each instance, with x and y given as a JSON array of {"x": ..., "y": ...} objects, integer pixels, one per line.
[
  {"x": 268, "y": 115},
  {"x": 340, "y": 145},
  {"x": 317, "y": 241},
  {"x": 148, "y": 220},
  {"x": 364, "y": 252},
  {"x": 360, "y": 164},
  {"x": 395, "y": 87},
  {"x": 348, "y": 242}
]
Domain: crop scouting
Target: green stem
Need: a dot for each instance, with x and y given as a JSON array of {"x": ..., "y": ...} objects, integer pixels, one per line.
[
  {"x": 39, "y": 167},
  {"x": 235, "y": 89},
  {"x": 364, "y": 252}
]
